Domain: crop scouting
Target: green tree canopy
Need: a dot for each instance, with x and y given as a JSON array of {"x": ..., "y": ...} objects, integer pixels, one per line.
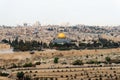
[{"x": 20, "y": 75}]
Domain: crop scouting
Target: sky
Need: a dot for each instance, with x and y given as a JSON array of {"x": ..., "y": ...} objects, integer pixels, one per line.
[{"x": 88, "y": 12}]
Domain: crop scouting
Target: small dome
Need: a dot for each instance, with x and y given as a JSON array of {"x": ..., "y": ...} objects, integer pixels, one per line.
[{"x": 61, "y": 35}]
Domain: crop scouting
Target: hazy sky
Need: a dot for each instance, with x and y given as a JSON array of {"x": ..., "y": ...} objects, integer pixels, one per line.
[{"x": 89, "y": 12}]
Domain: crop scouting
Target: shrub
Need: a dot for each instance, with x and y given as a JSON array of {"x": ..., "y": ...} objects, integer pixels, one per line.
[
  {"x": 28, "y": 65},
  {"x": 37, "y": 63},
  {"x": 77, "y": 62},
  {"x": 20, "y": 75},
  {"x": 56, "y": 60},
  {"x": 108, "y": 59}
]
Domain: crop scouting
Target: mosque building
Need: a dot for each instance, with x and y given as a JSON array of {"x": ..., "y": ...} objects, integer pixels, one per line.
[
  {"x": 61, "y": 42},
  {"x": 61, "y": 39}
]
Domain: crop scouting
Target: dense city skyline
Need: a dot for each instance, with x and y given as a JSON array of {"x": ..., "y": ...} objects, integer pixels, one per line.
[{"x": 88, "y": 12}]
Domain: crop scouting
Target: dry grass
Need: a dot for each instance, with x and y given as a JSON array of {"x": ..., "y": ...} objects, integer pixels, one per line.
[
  {"x": 51, "y": 53},
  {"x": 4, "y": 78}
]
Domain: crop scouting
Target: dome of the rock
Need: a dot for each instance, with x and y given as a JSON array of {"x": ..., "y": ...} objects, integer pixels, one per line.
[{"x": 61, "y": 35}]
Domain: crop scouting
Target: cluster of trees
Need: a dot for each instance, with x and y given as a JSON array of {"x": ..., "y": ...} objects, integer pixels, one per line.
[
  {"x": 77, "y": 62},
  {"x": 28, "y": 65},
  {"x": 24, "y": 65},
  {"x": 20, "y": 45},
  {"x": 3, "y": 74},
  {"x": 80, "y": 62},
  {"x": 93, "y": 62},
  {"x": 20, "y": 76},
  {"x": 100, "y": 43},
  {"x": 23, "y": 76},
  {"x": 13, "y": 65},
  {"x": 65, "y": 46}
]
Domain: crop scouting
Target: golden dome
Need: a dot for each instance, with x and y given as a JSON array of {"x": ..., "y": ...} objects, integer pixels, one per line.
[{"x": 61, "y": 35}]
